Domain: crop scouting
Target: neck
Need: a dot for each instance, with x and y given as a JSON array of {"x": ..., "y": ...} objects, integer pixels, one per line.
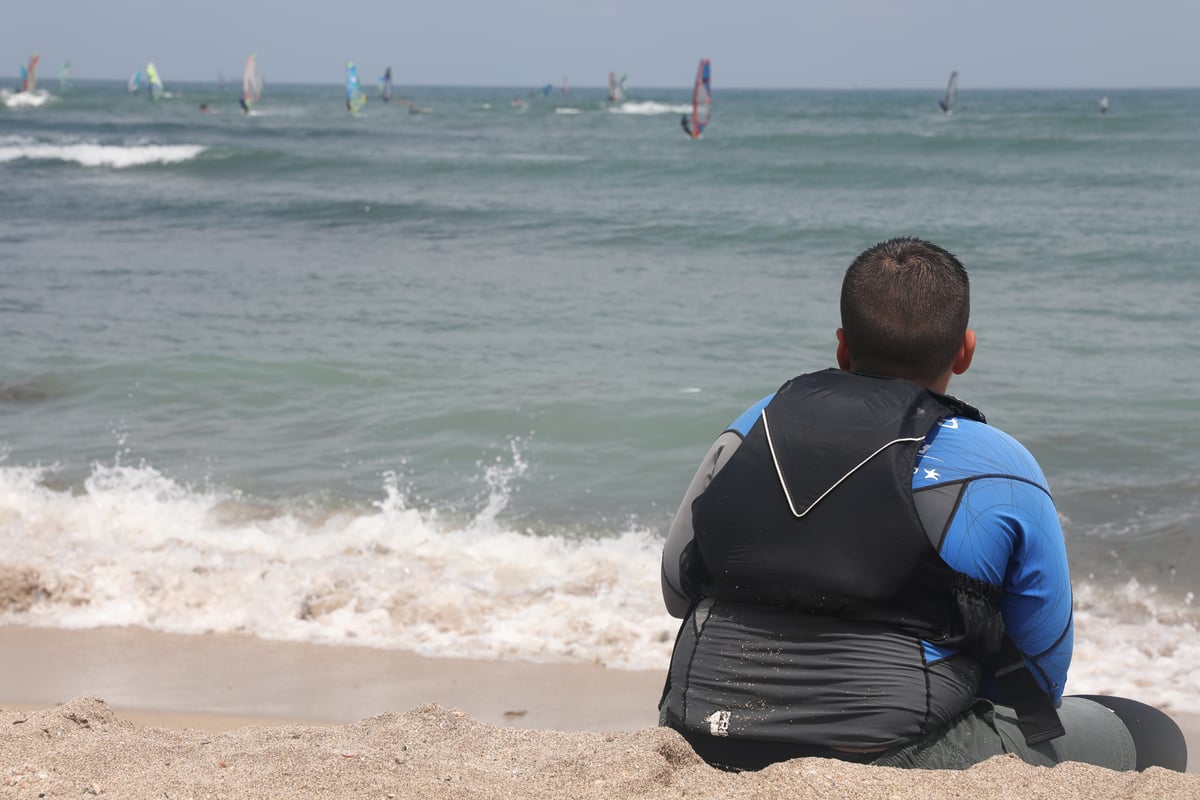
[{"x": 939, "y": 384}]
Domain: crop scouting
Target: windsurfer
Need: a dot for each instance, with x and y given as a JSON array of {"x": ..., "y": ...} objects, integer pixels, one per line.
[
  {"x": 683, "y": 122},
  {"x": 385, "y": 86}
]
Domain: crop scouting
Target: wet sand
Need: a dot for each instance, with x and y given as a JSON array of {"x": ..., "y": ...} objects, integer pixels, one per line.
[{"x": 127, "y": 713}]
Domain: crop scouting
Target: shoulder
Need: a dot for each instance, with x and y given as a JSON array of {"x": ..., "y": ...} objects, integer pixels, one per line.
[
  {"x": 1004, "y": 529},
  {"x": 960, "y": 449},
  {"x": 747, "y": 418}
]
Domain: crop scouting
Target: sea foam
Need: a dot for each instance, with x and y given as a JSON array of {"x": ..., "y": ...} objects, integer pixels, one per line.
[
  {"x": 91, "y": 154},
  {"x": 135, "y": 548},
  {"x": 34, "y": 99},
  {"x": 649, "y": 108}
]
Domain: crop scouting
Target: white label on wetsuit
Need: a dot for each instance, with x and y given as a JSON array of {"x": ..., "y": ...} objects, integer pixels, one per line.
[{"x": 718, "y": 723}]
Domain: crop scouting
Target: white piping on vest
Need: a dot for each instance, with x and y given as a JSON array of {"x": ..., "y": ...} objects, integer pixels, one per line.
[{"x": 838, "y": 482}]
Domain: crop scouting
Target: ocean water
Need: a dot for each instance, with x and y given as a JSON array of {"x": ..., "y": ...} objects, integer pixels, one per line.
[{"x": 437, "y": 381}]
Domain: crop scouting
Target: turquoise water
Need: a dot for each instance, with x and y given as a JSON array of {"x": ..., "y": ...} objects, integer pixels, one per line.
[{"x": 517, "y": 329}]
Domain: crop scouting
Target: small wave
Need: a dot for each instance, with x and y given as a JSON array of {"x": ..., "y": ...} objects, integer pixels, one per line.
[
  {"x": 1133, "y": 642},
  {"x": 34, "y": 99},
  {"x": 649, "y": 108},
  {"x": 134, "y": 547},
  {"x": 100, "y": 155},
  {"x": 546, "y": 158}
]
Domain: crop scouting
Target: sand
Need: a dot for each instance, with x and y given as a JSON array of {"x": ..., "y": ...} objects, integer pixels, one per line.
[{"x": 224, "y": 717}]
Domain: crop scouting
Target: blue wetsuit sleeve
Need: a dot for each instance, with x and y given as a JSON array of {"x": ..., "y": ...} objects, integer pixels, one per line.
[
  {"x": 1036, "y": 603},
  {"x": 1006, "y": 532}
]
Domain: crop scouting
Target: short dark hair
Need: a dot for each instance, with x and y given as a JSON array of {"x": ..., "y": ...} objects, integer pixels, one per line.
[{"x": 905, "y": 305}]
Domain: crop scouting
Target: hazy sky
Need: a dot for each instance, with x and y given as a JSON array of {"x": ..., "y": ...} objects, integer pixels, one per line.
[{"x": 1103, "y": 44}]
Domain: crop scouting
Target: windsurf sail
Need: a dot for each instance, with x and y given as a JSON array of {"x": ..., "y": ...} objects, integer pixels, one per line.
[
  {"x": 385, "y": 85},
  {"x": 29, "y": 75},
  {"x": 252, "y": 84},
  {"x": 155, "y": 83},
  {"x": 701, "y": 101},
  {"x": 355, "y": 97},
  {"x": 64, "y": 77},
  {"x": 947, "y": 102},
  {"x": 616, "y": 88}
]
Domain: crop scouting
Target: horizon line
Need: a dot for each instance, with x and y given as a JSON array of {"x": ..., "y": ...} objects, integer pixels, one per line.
[{"x": 676, "y": 87}]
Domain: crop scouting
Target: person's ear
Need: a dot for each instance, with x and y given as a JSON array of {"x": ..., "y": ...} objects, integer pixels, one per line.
[
  {"x": 966, "y": 352},
  {"x": 843, "y": 352}
]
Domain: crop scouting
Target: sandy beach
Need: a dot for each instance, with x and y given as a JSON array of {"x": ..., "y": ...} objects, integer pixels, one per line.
[{"x": 127, "y": 713}]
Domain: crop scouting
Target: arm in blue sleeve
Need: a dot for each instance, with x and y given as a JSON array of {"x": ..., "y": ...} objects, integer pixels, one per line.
[
  {"x": 675, "y": 594},
  {"x": 1037, "y": 601},
  {"x": 1007, "y": 533},
  {"x": 679, "y": 538}
]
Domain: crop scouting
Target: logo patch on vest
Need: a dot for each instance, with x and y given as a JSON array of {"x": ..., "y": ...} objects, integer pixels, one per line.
[{"x": 718, "y": 723}]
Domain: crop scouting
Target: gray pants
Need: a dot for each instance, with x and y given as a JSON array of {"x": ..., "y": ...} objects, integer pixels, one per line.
[{"x": 1094, "y": 735}]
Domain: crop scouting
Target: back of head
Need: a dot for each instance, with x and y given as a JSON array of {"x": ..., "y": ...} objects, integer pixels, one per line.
[{"x": 905, "y": 305}]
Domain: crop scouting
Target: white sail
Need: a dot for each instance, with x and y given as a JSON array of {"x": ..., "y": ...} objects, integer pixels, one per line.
[{"x": 252, "y": 84}]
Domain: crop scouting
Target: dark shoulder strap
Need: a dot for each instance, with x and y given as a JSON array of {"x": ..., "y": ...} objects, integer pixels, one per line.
[{"x": 958, "y": 408}]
